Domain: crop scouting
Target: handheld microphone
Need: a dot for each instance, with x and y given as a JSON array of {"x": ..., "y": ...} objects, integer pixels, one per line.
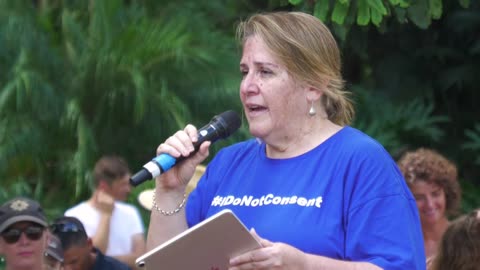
[{"x": 221, "y": 126}]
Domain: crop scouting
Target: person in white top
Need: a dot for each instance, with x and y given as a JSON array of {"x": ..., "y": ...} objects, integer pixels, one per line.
[{"x": 115, "y": 227}]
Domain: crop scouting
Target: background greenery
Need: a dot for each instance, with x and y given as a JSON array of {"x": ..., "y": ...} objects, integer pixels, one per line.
[{"x": 79, "y": 79}]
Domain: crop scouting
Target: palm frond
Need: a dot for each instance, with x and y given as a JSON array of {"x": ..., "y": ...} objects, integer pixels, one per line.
[
  {"x": 473, "y": 141},
  {"x": 396, "y": 126}
]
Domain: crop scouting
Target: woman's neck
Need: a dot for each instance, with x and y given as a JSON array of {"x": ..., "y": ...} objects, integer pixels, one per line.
[
  {"x": 432, "y": 235},
  {"x": 301, "y": 141},
  {"x": 435, "y": 231}
]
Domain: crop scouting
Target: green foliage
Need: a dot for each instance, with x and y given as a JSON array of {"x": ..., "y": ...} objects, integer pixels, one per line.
[
  {"x": 85, "y": 78},
  {"x": 473, "y": 142},
  {"x": 376, "y": 12},
  {"x": 396, "y": 126},
  {"x": 321, "y": 9},
  {"x": 340, "y": 11},
  {"x": 295, "y": 2},
  {"x": 470, "y": 196},
  {"x": 363, "y": 17},
  {"x": 464, "y": 3}
]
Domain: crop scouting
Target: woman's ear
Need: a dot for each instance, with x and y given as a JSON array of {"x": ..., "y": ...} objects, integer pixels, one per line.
[
  {"x": 313, "y": 94},
  {"x": 315, "y": 104}
]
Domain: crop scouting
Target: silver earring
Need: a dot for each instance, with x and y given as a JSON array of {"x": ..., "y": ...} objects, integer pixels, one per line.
[{"x": 312, "y": 110}]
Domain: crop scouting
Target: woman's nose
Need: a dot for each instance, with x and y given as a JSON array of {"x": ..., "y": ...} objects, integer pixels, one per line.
[
  {"x": 249, "y": 84},
  {"x": 429, "y": 202},
  {"x": 23, "y": 239}
]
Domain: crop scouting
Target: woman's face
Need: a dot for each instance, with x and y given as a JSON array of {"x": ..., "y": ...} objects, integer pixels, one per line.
[
  {"x": 431, "y": 201},
  {"x": 274, "y": 104},
  {"x": 25, "y": 253}
]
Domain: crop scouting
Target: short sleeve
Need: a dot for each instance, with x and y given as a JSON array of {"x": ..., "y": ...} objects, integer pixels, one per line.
[{"x": 138, "y": 227}]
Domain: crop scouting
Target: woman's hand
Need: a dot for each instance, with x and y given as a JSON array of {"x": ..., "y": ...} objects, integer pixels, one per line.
[
  {"x": 270, "y": 256},
  {"x": 177, "y": 145}
]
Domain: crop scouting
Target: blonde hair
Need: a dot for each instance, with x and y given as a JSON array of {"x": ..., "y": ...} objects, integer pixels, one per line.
[{"x": 308, "y": 50}]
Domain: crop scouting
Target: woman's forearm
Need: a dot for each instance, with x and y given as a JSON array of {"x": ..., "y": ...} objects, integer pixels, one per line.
[{"x": 163, "y": 227}]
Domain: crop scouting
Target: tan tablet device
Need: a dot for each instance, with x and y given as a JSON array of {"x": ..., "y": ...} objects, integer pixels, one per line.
[{"x": 208, "y": 245}]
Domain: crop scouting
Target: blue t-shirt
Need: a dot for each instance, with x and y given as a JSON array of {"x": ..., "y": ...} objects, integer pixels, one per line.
[{"x": 344, "y": 199}]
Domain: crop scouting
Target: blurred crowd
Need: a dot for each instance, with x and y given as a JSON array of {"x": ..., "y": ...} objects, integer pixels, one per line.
[{"x": 103, "y": 232}]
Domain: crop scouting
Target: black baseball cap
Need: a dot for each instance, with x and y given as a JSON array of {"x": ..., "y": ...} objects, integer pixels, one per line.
[
  {"x": 68, "y": 224},
  {"x": 21, "y": 209}
]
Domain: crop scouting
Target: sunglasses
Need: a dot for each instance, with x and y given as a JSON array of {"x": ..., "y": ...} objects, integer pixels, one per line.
[
  {"x": 67, "y": 227},
  {"x": 13, "y": 235}
]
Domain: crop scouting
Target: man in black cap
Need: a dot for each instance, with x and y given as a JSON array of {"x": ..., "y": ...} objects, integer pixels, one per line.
[
  {"x": 78, "y": 250},
  {"x": 23, "y": 234}
]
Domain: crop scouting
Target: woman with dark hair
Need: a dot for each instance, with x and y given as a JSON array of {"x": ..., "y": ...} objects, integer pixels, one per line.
[
  {"x": 433, "y": 181},
  {"x": 460, "y": 245}
]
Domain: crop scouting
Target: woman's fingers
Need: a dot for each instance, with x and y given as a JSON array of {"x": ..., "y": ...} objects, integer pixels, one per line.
[{"x": 180, "y": 143}]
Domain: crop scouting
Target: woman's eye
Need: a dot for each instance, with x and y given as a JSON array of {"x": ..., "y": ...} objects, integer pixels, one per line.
[
  {"x": 419, "y": 198},
  {"x": 265, "y": 72}
]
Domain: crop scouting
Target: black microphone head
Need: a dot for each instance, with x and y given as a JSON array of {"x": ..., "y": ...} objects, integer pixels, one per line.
[{"x": 228, "y": 122}]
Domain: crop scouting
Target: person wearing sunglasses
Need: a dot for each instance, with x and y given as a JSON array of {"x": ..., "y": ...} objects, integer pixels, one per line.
[
  {"x": 23, "y": 238},
  {"x": 78, "y": 250}
]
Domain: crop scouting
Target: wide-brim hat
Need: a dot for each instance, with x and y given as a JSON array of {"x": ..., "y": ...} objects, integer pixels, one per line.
[
  {"x": 145, "y": 198},
  {"x": 21, "y": 209}
]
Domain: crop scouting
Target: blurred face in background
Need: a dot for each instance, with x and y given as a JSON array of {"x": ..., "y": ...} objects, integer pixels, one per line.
[
  {"x": 431, "y": 202},
  {"x": 78, "y": 257},
  {"x": 23, "y": 245},
  {"x": 119, "y": 189}
]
